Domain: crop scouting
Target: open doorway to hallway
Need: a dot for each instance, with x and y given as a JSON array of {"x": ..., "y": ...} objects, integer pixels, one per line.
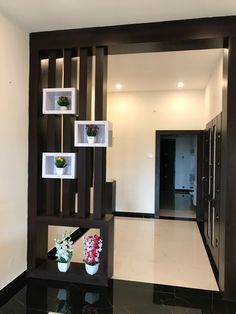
[{"x": 178, "y": 168}]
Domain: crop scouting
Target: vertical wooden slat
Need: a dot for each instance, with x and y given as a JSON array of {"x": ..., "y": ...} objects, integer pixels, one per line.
[
  {"x": 101, "y": 84},
  {"x": 84, "y": 154},
  {"x": 227, "y": 111},
  {"x": 42, "y": 138},
  {"x": 107, "y": 255},
  {"x": 52, "y": 185},
  {"x": 227, "y": 260},
  {"x": 100, "y": 114},
  {"x": 33, "y": 156},
  {"x": 68, "y": 186}
]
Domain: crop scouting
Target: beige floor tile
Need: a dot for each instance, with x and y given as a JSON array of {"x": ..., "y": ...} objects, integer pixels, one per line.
[{"x": 161, "y": 251}]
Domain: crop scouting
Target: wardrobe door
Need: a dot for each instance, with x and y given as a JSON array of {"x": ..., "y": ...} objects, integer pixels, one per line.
[
  {"x": 216, "y": 189},
  {"x": 205, "y": 182},
  {"x": 212, "y": 149}
]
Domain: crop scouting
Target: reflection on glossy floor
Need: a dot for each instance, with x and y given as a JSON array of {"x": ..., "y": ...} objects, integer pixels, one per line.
[
  {"x": 166, "y": 252},
  {"x": 159, "y": 251},
  {"x": 121, "y": 297},
  {"x": 177, "y": 204}
]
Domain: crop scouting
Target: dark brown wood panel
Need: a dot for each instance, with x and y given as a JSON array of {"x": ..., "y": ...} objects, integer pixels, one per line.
[
  {"x": 228, "y": 175},
  {"x": 99, "y": 182},
  {"x": 42, "y": 137},
  {"x": 68, "y": 186},
  {"x": 101, "y": 84},
  {"x": 84, "y": 164},
  {"x": 223, "y": 204},
  {"x": 165, "y": 36},
  {"x": 53, "y": 144},
  {"x": 116, "y": 36},
  {"x": 212, "y": 187},
  {"x": 85, "y": 83},
  {"x": 100, "y": 114},
  {"x": 33, "y": 154}
]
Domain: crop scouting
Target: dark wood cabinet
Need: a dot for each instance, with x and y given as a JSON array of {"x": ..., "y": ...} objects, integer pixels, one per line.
[{"x": 212, "y": 186}]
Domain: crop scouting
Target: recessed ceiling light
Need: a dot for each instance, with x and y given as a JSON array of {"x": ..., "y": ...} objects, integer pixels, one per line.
[
  {"x": 118, "y": 86},
  {"x": 180, "y": 84}
]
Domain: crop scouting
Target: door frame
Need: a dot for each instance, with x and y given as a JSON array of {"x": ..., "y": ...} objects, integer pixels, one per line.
[{"x": 199, "y": 134}]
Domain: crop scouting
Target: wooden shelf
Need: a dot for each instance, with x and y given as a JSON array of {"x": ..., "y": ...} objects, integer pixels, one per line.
[
  {"x": 52, "y": 202},
  {"x": 76, "y": 273},
  {"x": 88, "y": 222}
]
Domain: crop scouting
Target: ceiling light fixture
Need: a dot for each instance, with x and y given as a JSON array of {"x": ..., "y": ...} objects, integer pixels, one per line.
[
  {"x": 180, "y": 84},
  {"x": 118, "y": 86}
]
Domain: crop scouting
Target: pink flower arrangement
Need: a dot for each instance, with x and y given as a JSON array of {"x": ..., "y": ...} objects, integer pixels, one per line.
[
  {"x": 92, "y": 129},
  {"x": 92, "y": 249}
]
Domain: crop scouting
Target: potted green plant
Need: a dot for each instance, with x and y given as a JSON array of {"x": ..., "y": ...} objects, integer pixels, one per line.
[
  {"x": 63, "y": 102},
  {"x": 92, "y": 131},
  {"x": 64, "y": 252},
  {"x": 60, "y": 163}
]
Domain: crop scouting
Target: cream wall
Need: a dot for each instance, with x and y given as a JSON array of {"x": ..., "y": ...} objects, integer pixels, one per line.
[
  {"x": 14, "y": 153},
  {"x": 135, "y": 117},
  {"x": 213, "y": 92}
]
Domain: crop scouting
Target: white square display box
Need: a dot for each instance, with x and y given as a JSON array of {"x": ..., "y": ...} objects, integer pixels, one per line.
[
  {"x": 103, "y": 138},
  {"x": 50, "y": 97},
  {"x": 49, "y": 168}
]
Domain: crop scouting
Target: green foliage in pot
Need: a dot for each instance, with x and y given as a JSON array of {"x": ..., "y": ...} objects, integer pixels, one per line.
[
  {"x": 92, "y": 129},
  {"x": 63, "y": 101},
  {"x": 60, "y": 162}
]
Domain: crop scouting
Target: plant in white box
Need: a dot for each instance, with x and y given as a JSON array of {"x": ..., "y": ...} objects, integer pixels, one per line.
[
  {"x": 64, "y": 251},
  {"x": 61, "y": 164},
  {"x": 63, "y": 102},
  {"x": 92, "y": 131}
]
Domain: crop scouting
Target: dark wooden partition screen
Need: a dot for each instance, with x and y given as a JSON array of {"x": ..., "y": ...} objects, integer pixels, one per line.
[
  {"x": 53, "y": 201},
  {"x": 44, "y": 196}
]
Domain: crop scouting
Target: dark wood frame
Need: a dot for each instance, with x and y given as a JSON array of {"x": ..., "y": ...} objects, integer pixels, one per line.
[
  {"x": 199, "y": 134},
  {"x": 203, "y": 33}
]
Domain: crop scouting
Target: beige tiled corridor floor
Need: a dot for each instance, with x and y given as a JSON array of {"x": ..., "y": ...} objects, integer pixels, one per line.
[{"x": 161, "y": 251}]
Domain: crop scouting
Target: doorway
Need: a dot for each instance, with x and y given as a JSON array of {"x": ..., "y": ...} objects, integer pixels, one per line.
[
  {"x": 167, "y": 164},
  {"x": 178, "y": 187}
]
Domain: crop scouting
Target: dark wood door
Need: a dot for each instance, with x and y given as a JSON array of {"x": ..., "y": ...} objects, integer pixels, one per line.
[
  {"x": 167, "y": 165},
  {"x": 212, "y": 151}
]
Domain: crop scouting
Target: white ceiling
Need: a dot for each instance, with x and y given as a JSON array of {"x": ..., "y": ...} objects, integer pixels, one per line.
[
  {"x": 162, "y": 71},
  {"x": 35, "y": 15}
]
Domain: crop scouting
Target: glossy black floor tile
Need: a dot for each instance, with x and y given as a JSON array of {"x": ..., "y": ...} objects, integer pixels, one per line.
[{"x": 121, "y": 297}]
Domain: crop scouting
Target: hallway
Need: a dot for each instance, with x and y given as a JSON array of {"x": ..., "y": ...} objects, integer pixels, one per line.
[
  {"x": 159, "y": 251},
  {"x": 177, "y": 204},
  {"x": 167, "y": 252}
]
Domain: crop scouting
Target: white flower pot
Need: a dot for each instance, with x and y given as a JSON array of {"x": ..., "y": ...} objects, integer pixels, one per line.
[
  {"x": 63, "y": 108},
  {"x": 91, "y": 269},
  {"x": 63, "y": 267},
  {"x": 60, "y": 171},
  {"x": 91, "y": 139}
]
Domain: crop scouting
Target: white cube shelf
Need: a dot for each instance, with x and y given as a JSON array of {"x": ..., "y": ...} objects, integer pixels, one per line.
[
  {"x": 49, "y": 168},
  {"x": 50, "y": 97},
  {"x": 103, "y": 138}
]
